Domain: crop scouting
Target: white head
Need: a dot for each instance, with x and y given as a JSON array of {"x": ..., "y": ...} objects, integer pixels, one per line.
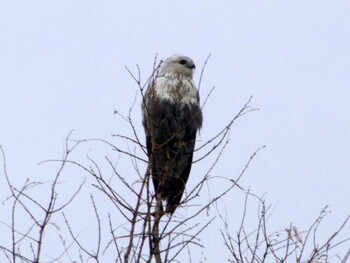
[{"x": 177, "y": 64}]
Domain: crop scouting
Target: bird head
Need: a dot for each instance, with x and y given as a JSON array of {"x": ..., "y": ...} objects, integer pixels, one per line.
[{"x": 179, "y": 65}]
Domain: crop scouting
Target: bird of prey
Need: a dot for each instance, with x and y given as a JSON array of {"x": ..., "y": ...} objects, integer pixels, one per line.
[{"x": 171, "y": 118}]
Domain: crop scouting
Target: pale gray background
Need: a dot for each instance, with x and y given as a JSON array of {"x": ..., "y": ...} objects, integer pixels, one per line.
[{"x": 62, "y": 69}]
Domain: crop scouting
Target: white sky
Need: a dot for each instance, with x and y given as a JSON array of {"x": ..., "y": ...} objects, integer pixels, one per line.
[{"x": 62, "y": 69}]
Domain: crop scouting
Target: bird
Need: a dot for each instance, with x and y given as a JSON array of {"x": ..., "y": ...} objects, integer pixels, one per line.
[{"x": 171, "y": 116}]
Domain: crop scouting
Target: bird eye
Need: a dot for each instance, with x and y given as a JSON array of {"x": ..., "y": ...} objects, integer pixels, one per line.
[{"x": 183, "y": 62}]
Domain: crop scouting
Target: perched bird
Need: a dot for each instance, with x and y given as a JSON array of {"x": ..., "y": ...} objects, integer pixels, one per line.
[{"x": 171, "y": 118}]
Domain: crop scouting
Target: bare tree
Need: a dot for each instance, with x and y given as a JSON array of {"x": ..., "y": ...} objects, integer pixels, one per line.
[
  {"x": 39, "y": 214},
  {"x": 287, "y": 245},
  {"x": 128, "y": 224}
]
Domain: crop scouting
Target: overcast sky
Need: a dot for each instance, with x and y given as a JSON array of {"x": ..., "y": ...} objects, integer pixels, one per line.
[{"x": 62, "y": 69}]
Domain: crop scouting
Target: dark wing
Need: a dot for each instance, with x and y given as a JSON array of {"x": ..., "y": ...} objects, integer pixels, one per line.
[
  {"x": 147, "y": 120},
  {"x": 189, "y": 121}
]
